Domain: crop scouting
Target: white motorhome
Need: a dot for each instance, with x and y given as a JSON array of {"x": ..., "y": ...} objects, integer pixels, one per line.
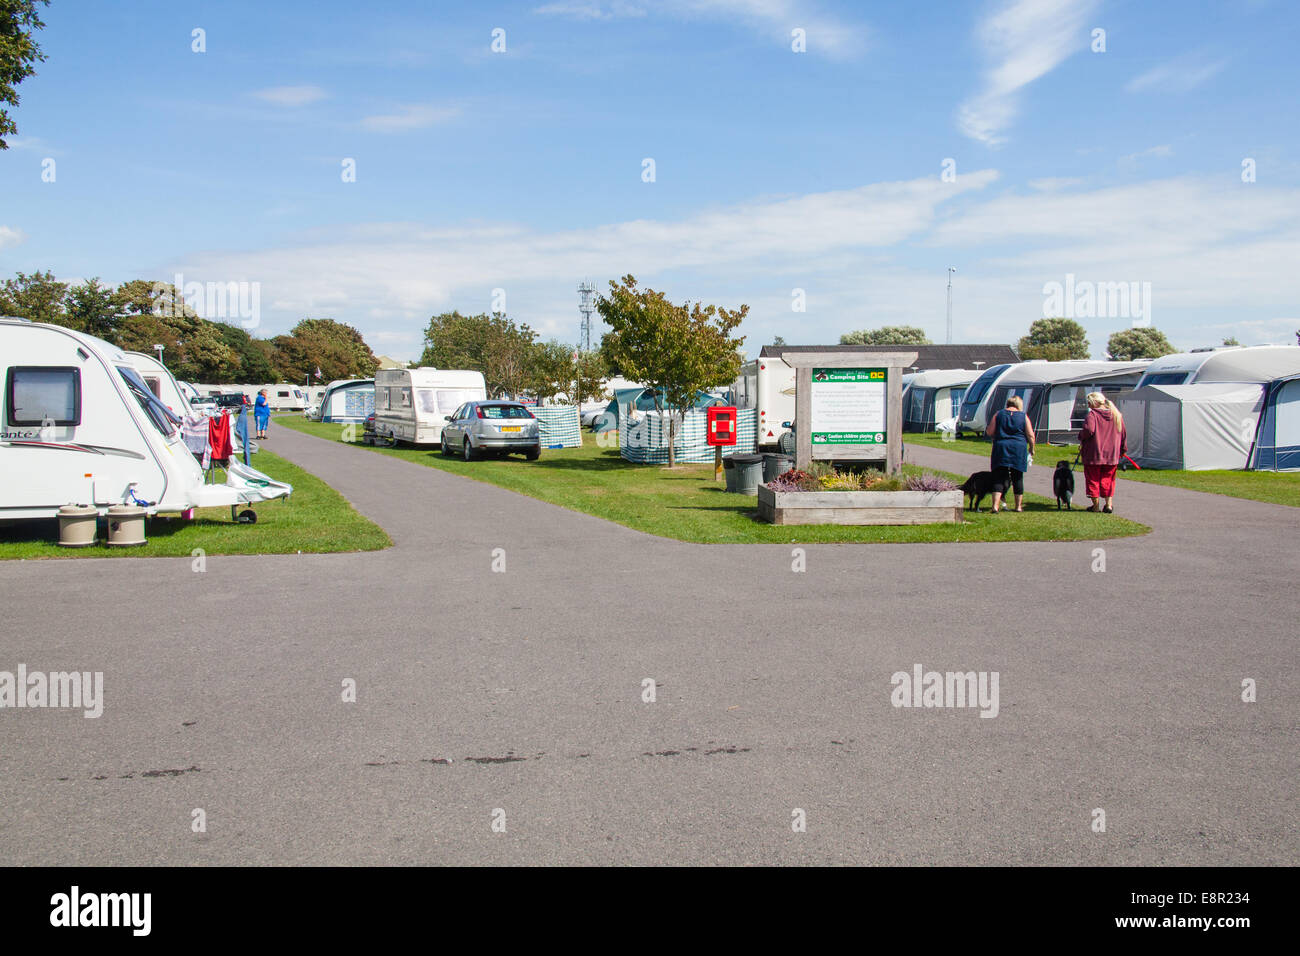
[
  {"x": 766, "y": 385},
  {"x": 81, "y": 426},
  {"x": 410, "y": 403}
]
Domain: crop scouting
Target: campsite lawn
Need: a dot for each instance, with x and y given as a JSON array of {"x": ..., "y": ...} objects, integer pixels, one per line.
[
  {"x": 687, "y": 504},
  {"x": 1276, "y": 487},
  {"x": 315, "y": 519}
]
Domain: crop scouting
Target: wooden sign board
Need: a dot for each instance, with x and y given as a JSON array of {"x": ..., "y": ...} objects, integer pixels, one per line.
[{"x": 849, "y": 406}]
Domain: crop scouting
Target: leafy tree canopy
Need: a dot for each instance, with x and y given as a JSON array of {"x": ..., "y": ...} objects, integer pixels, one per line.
[
  {"x": 1055, "y": 340},
  {"x": 887, "y": 335},
  {"x": 1129, "y": 344}
]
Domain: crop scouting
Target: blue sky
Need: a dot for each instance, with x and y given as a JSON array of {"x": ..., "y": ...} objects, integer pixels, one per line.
[{"x": 775, "y": 170}]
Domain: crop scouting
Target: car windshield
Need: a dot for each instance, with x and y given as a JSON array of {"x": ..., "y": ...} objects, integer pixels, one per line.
[{"x": 505, "y": 411}]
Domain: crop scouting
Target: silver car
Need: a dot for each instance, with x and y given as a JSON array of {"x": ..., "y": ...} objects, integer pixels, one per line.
[{"x": 502, "y": 427}]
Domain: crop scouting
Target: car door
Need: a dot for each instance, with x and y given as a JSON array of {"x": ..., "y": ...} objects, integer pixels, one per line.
[{"x": 454, "y": 428}]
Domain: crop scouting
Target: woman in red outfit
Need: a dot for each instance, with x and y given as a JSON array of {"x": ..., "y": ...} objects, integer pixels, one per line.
[{"x": 1102, "y": 442}]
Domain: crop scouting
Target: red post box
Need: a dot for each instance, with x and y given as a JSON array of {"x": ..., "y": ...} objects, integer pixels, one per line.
[{"x": 721, "y": 425}]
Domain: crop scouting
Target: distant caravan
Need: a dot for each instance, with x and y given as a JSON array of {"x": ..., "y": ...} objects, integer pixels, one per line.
[
  {"x": 81, "y": 426},
  {"x": 411, "y": 404}
]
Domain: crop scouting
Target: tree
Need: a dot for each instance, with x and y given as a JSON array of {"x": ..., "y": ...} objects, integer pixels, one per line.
[
  {"x": 336, "y": 348},
  {"x": 19, "y": 52},
  {"x": 1054, "y": 340},
  {"x": 94, "y": 309},
  {"x": 1230, "y": 341},
  {"x": 551, "y": 370},
  {"x": 589, "y": 373},
  {"x": 778, "y": 340},
  {"x": 254, "y": 355},
  {"x": 1129, "y": 344},
  {"x": 37, "y": 297},
  {"x": 887, "y": 335},
  {"x": 504, "y": 352},
  {"x": 674, "y": 349}
]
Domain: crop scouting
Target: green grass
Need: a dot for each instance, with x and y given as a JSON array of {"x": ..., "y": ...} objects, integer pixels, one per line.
[
  {"x": 1275, "y": 487},
  {"x": 687, "y": 504},
  {"x": 315, "y": 519}
]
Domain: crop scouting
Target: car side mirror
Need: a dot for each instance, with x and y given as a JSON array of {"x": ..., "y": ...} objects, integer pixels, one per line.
[{"x": 446, "y": 418}]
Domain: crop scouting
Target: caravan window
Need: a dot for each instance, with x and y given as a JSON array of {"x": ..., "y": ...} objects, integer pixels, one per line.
[
  {"x": 404, "y": 394},
  {"x": 1166, "y": 378},
  {"x": 958, "y": 394},
  {"x": 449, "y": 398},
  {"x": 282, "y": 394},
  {"x": 157, "y": 412},
  {"x": 37, "y": 394}
]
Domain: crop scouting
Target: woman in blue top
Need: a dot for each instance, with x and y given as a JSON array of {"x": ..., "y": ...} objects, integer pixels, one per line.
[
  {"x": 262, "y": 414},
  {"x": 1013, "y": 444}
]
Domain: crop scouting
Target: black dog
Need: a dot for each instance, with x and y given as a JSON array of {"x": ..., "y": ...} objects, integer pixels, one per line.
[
  {"x": 976, "y": 487},
  {"x": 1063, "y": 483}
]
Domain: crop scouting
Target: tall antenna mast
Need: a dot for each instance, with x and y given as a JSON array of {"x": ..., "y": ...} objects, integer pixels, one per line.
[
  {"x": 586, "y": 305},
  {"x": 951, "y": 270}
]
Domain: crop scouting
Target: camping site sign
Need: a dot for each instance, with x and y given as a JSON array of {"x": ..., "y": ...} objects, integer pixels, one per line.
[{"x": 847, "y": 406}]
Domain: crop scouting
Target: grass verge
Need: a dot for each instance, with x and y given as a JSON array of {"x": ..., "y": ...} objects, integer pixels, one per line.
[
  {"x": 685, "y": 503},
  {"x": 315, "y": 519},
  {"x": 1275, "y": 487}
]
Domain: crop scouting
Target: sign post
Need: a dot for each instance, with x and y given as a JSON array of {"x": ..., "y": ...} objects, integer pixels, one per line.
[
  {"x": 848, "y": 406},
  {"x": 721, "y": 431}
]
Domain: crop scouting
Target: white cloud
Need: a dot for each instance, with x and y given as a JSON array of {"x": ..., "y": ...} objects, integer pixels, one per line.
[
  {"x": 1022, "y": 41},
  {"x": 776, "y": 19},
  {"x": 592, "y": 9},
  {"x": 9, "y": 237},
  {"x": 1130, "y": 161},
  {"x": 1053, "y": 183},
  {"x": 410, "y": 117},
  {"x": 291, "y": 95},
  {"x": 1178, "y": 76},
  {"x": 873, "y": 255}
]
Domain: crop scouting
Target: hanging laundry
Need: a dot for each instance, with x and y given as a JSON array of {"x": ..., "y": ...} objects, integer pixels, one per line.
[{"x": 219, "y": 437}]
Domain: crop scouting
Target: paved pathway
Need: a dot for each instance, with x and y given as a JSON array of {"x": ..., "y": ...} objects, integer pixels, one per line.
[{"x": 1118, "y": 691}]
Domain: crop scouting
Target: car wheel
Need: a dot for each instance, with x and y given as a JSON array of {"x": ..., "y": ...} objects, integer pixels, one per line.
[
  {"x": 446, "y": 449},
  {"x": 533, "y": 453},
  {"x": 467, "y": 450}
]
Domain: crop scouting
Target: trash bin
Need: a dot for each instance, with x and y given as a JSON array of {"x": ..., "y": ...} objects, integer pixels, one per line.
[
  {"x": 77, "y": 526},
  {"x": 774, "y": 465},
  {"x": 749, "y": 473},
  {"x": 125, "y": 526},
  {"x": 729, "y": 471}
]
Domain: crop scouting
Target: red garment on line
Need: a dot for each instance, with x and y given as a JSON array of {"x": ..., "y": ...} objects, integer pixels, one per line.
[{"x": 219, "y": 437}]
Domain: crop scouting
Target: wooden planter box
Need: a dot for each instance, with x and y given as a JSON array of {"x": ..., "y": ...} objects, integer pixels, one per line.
[{"x": 859, "y": 507}]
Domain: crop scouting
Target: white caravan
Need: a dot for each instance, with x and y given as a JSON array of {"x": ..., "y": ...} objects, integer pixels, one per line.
[
  {"x": 410, "y": 403},
  {"x": 284, "y": 398},
  {"x": 161, "y": 382},
  {"x": 80, "y": 426},
  {"x": 1255, "y": 364}
]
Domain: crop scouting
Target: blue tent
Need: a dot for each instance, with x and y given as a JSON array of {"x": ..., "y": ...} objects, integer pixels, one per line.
[{"x": 1277, "y": 443}]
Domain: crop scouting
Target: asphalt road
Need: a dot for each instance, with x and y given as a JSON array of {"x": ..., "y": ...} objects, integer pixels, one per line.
[{"x": 1118, "y": 691}]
